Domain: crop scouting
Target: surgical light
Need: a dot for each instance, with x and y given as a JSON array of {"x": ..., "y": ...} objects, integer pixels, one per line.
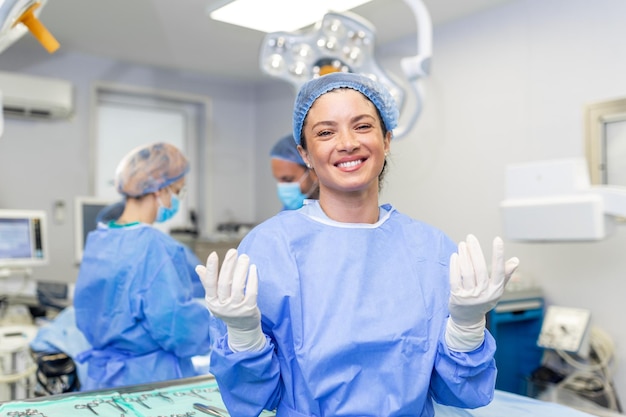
[
  {"x": 339, "y": 42},
  {"x": 16, "y": 18},
  {"x": 274, "y": 15},
  {"x": 20, "y": 16},
  {"x": 345, "y": 42}
]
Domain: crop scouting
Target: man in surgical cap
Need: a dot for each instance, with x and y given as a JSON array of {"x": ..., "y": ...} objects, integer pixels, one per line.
[
  {"x": 295, "y": 181},
  {"x": 133, "y": 296}
]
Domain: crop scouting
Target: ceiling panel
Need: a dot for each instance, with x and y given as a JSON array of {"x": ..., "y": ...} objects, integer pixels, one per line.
[{"x": 178, "y": 34}]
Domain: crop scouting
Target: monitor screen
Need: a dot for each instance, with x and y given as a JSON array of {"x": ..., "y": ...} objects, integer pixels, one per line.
[
  {"x": 86, "y": 210},
  {"x": 23, "y": 238}
]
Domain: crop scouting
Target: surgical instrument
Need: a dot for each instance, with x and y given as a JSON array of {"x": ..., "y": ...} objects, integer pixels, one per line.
[
  {"x": 88, "y": 406},
  {"x": 210, "y": 410}
]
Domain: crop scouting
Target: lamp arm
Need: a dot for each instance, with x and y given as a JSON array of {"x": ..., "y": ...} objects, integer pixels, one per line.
[
  {"x": 418, "y": 66},
  {"x": 401, "y": 131}
]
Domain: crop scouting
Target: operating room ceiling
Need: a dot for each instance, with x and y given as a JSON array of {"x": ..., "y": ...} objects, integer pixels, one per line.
[{"x": 179, "y": 35}]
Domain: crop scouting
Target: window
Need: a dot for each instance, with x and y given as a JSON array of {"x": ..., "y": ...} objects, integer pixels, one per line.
[{"x": 129, "y": 117}]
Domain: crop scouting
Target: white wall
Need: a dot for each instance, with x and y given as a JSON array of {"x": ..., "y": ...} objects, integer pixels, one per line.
[
  {"x": 510, "y": 85},
  {"x": 45, "y": 161},
  {"x": 273, "y": 116}
]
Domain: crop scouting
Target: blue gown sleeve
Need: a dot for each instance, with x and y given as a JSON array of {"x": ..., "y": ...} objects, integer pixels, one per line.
[
  {"x": 255, "y": 386},
  {"x": 177, "y": 322},
  {"x": 249, "y": 382},
  {"x": 461, "y": 379},
  {"x": 464, "y": 379},
  {"x": 192, "y": 262}
]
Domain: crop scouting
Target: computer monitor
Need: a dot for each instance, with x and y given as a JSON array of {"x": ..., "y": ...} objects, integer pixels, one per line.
[
  {"x": 23, "y": 235},
  {"x": 86, "y": 210}
]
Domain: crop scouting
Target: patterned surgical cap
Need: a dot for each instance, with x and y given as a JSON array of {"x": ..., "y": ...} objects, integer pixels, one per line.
[{"x": 149, "y": 168}]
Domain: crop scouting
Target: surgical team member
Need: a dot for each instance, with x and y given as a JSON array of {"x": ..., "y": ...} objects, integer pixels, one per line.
[
  {"x": 133, "y": 296},
  {"x": 115, "y": 210},
  {"x": 347, "y": 307},
  {"x": 295, "y": 181}
]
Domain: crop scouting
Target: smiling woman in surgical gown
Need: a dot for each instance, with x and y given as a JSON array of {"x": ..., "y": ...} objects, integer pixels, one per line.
[
  {"x": 347, "y": 307},
  {"x": 133, "y": 297}
]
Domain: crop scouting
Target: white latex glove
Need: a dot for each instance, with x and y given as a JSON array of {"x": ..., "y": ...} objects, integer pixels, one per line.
[
  {"x": 232, "y": 298},
  {"x": 473, "y": 292}
]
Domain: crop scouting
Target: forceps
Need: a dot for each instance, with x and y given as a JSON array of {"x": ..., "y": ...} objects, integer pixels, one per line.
[
  {"x": 210, "y": 410},
  {"x": 160, "y": 394},
  {"x": 194, "y": 392},
  {"x": 114, "y": 404},
  {"x": 88, "y": 406},
  {"x": 26, "y": 413},
  {"x": 139, "y": 400}
]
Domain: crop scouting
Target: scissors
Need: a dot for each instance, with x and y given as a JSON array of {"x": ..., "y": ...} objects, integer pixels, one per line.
[
  {"x": 26, "y": 413},
  {"x": 165, "y": 397},
  {"x": 194, "y": 392},
  {"x": 140, "y": 399},
  {"x": 114, "y": 404},
  {"x": 88, "y": 406}
]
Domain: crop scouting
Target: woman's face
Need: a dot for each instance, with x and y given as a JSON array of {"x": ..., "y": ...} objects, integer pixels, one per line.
[
  {"x": 176, "y": 188},
  {"x": 345, "y": 142}
]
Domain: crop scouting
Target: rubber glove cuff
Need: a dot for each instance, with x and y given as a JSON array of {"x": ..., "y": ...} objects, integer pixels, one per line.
[
  {"x": 464, "y": 338},
  {"x": 252, "y": 340}
]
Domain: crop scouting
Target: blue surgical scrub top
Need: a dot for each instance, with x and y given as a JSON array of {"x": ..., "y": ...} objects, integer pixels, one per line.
[
  {"x": 354, "y": 316},
  {"x": 135, "y": 306}
]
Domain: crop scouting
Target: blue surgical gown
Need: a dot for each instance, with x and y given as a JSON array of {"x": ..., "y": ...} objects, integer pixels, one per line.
[
  {"x": 192, "y": 261},
  {"x": 113, "y": 211},
  {"x": 134, "y": 304},
  {"x": 354, "y": 316}
]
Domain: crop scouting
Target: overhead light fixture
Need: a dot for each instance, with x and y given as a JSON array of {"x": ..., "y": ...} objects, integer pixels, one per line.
[
  {"x": 340, "y": 42},
  {"x": 345, "y": 42},
  {"x": 274, "y": 15}
]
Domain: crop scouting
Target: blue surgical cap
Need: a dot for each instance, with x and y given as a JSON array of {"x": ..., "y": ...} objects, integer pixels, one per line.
[
  {"x": 315, "y": 88},
  {"x": 287, "y": 150},
  {"x": 149, "y": 168}
]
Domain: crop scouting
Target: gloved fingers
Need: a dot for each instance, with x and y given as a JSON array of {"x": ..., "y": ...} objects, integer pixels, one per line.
[
  {"x": 455, "y": 274},
  {"x": 509, "y": 268},
  {"x": 208, "y": 275},
  {"x": 225, "y": 280},
  {"x": 479, "y": 264},
  {"x": 252, "y": 287},
  {"x": 497, "y": 263},
  {"x": 240, "y": 274},
  {"x": 468, "y": 277}
]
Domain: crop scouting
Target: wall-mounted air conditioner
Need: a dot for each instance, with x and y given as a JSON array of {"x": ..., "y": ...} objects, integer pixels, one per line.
[{"x": 35, "y": 97}]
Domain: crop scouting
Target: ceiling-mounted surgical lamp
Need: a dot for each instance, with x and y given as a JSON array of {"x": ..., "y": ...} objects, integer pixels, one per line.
[
  {"x": 345, "y": 42},
  {"x": 20, "y": 16},
  {"x": 16, "y": 18}
]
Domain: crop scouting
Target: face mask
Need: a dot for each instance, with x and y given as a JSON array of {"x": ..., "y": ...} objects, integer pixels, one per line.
[
  {"x": 290, "y": 195},
  {"x": 164, "y": 213}
]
